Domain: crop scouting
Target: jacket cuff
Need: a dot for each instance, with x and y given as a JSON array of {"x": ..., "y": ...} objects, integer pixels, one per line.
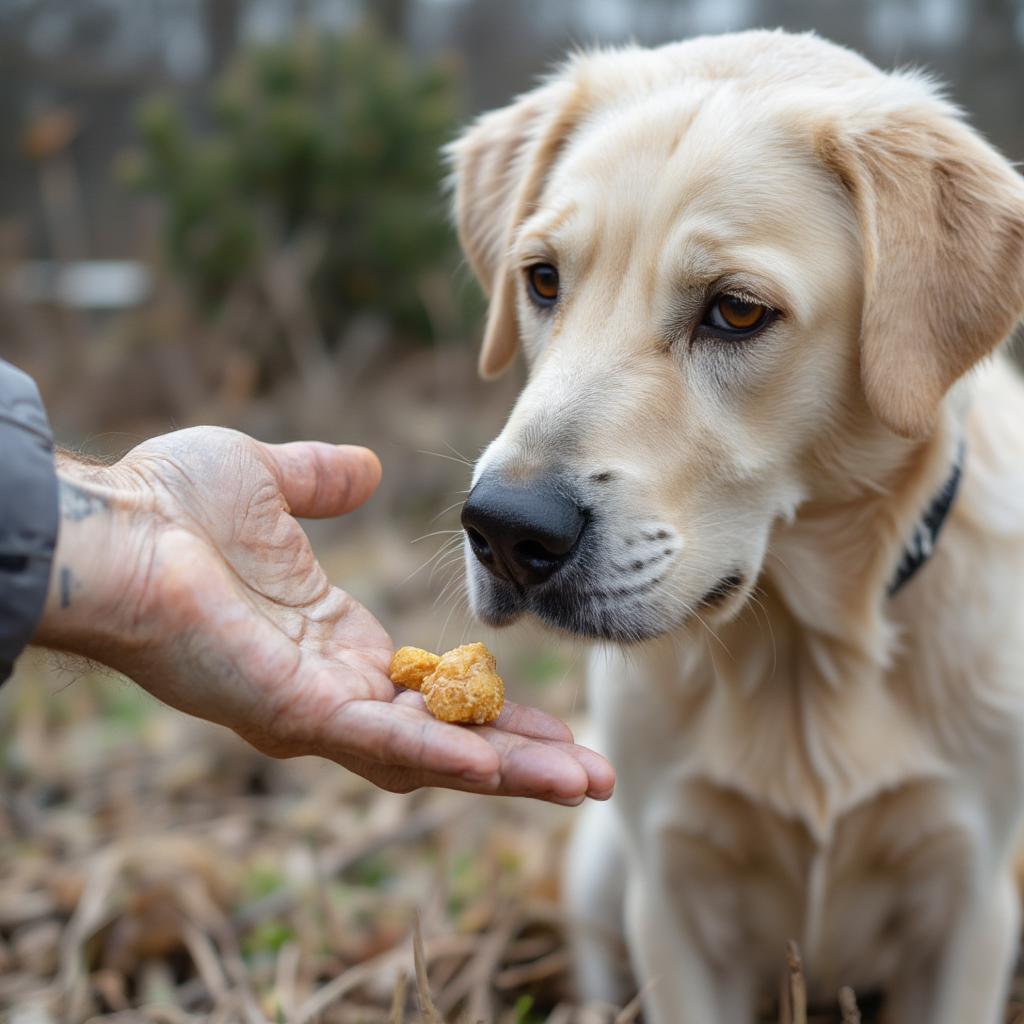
[{"x": 28, "y": 512}]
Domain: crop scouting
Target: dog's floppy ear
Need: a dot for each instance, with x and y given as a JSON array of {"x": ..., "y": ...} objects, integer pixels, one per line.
[
  {"x": 499, "y": 166},
  {"x": 941, "y": 218}
]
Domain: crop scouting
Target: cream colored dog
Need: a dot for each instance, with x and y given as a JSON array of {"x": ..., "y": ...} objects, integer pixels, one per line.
[{"x": 751, "y": 274}]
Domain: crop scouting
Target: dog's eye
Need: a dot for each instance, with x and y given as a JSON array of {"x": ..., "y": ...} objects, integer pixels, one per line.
[
  {"x": 542, "y": 282},
  {"x": 732, "y": 315}
]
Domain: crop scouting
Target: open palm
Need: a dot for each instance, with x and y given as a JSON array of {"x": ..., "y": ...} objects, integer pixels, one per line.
[{"x": 235, "y": 621}]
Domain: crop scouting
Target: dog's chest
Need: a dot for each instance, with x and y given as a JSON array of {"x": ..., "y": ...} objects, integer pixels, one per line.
[
  {"x": 835, "y": 817},
  {"x": 765, "y": 730},
  {"x": 863, "y": 902}
]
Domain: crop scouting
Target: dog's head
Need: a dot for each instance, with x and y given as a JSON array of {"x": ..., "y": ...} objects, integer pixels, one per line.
[{"x": 717, "y": 257}]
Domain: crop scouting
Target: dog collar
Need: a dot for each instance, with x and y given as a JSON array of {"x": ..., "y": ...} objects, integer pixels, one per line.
[{"x": 928, "y": 528}]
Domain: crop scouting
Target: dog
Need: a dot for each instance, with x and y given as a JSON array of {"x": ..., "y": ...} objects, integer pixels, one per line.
[{"x": 769, "y": 458}]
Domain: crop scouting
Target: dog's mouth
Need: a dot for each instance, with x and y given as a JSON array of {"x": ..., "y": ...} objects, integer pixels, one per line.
[
  {"x": 720, "y": 594},
  {"x": 589, "y": 568},
  {"x": 572, "y": 611},
  {"x": 623, "y": 600}
]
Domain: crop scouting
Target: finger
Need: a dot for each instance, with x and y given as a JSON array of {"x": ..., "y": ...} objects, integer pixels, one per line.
[
  {"x": 546, "y": 777},
  {"x": 527, "y": 721},
  {"x": 532, "y": 769},
  {"x": 539, "y": 768},
  {"x": 517, "y": 718},
  {"x": 599, "y": 771},
  {"x": 405, "y": 780},
  {"x": 322, "y": 480},
  {"x": 394, "y": 734}
]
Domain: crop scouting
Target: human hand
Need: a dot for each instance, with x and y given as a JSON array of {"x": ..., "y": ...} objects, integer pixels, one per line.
[{"x": 183, "y": 567}]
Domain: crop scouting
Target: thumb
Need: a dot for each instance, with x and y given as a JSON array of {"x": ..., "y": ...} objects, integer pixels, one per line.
[{"x": 322, "y": 480}]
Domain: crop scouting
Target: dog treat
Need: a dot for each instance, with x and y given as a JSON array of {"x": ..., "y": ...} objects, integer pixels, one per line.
[
  {"x": 411, "y": 665},
  {"x": 460, "y": 686}
]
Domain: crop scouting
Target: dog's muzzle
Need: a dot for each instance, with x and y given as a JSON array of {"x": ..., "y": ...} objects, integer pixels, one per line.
[{"x": 538, "y": 548}]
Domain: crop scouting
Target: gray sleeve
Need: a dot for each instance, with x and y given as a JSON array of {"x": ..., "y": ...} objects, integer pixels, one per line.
[{"x": 28, "y": 512}]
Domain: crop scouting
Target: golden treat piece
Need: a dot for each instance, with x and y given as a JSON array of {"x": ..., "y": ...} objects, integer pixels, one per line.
[
  {"x": 460, "y": 686},
  {"x": 410, "y": 665},
  {"x": 465, "y": 686}
]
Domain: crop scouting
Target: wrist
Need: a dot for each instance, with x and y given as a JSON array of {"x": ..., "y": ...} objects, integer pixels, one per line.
[{"x": 94, "y": 576}]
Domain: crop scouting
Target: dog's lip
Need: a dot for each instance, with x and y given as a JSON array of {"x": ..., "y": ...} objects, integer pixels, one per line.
[
  {"x": 574, "y": 604},
  {"x": 724, "y": 589},
  {"x": 499, "y": 619},
  {"x": 585, "y": 615},
  {"x": 633, "y": 590}
]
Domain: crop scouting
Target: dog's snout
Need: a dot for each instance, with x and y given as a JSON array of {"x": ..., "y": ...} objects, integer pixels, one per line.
[{"x": 522, "y": 532}]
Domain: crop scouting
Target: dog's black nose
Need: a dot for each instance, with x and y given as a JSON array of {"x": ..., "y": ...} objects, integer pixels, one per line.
[{"x": 521, "y": 532}]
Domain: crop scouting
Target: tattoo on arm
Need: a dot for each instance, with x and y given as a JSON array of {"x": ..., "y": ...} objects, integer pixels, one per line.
[
  {"x": 77, "y": 504},
  {"x": 68, "y": 585}
]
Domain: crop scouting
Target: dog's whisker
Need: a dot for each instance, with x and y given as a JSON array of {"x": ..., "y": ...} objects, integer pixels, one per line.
[
  {"x": 455, "y": 451},
  {"x": 454, "y": 504},
  {"x": 444, "y": 628},
  {"x": 441, "y": 455},
  {"x": 452, "y": 560},
  {"x": 457, "y": 581},
  {"x": 445, "y": 548},
  {"x": 757, "y": 603},
  {"x": 437, "y": 533}
]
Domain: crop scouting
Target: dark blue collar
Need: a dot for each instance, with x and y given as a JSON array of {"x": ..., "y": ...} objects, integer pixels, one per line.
[{"x": 926, "y": 533}]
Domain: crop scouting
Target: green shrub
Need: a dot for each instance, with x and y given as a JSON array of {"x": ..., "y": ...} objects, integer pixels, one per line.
[{"x": 329, "y": 144}]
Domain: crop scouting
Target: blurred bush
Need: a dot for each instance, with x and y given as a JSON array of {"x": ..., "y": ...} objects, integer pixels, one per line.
[{"x": 315, "y": 180}]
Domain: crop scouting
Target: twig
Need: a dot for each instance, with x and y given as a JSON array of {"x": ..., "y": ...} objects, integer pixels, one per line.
[
  {"x": 397, "y": 1014},
  {"x": 561, "y": 1014},
  {"x": 201, "y": 907},
  {"x": 359, "y": 974},
  {"x": 534, "y": 970},
  {"x": 286, "y": 972},
  {"x": 331, "y": 992},
  {"x": 848, "y": 1006},
  {"x": 427, "y": 1008},
  {"x": 282, "y": 900},
  {"x": 204, "y": 956},
  {"x": 474, "y": 980},
  {"x": 532, "y": 948},
  {"x": 91, "y": 912},
  {"x": 793, "y": 1004},
  {"x": 631, "y": 1011}
]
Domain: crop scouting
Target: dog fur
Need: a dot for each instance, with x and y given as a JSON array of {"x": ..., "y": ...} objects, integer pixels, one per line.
[{"x": 801, "y": 756}]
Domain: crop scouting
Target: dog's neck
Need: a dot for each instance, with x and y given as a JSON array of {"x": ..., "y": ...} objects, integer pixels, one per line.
[
  {"x": 827, "y": 643},
  {"x": 833, "y": 564}
]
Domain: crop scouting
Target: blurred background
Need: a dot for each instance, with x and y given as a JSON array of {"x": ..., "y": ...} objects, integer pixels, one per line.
[{"x": 229, "y": 211}]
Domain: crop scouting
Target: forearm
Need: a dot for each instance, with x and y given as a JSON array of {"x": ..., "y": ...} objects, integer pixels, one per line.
[{"x": 98, "y": 558}]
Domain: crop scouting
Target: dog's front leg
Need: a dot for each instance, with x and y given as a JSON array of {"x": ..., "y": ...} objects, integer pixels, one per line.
[
  {"x": 593, "y": 883},
  {"x": 681, "y": 985},
  {"x": 968, "y": 978}
]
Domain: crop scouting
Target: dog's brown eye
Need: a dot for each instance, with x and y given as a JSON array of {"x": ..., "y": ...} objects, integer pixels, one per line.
[
  {"x": 739, "y": 315},
  {"x": 542, "y": 279},
  {"x": 729, "y": 314}
]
